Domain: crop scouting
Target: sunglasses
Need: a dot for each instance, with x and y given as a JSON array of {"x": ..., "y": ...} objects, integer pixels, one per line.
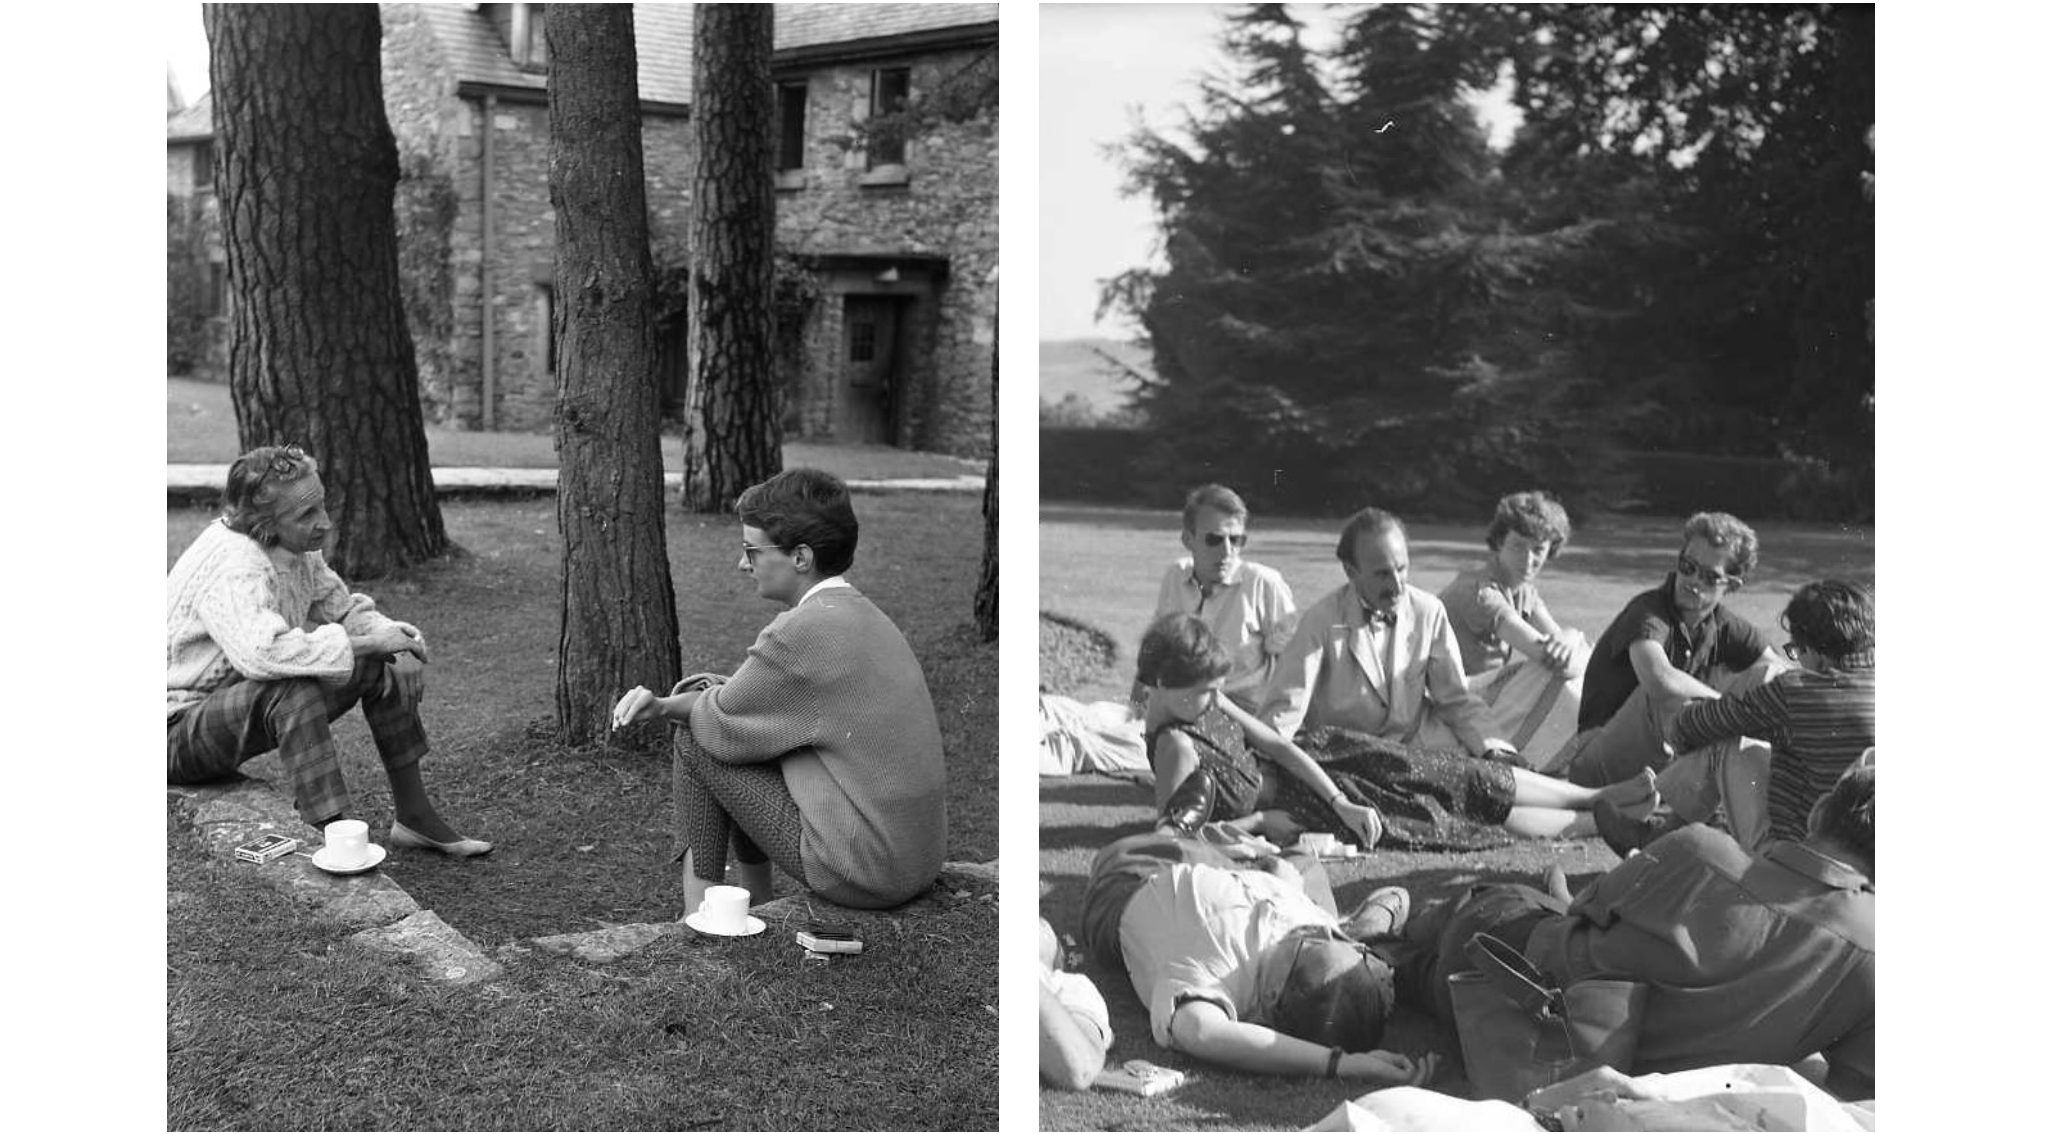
[
  {"x": 1713, "y": 576},
  {"x": 1217, "y": 539}
]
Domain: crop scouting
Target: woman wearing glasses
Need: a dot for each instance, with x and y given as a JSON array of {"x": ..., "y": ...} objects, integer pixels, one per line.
[
  {"x": 821, "y": 753},
  {"x": 268, "y": 646},
  {"x": 1672, "y": 644}
]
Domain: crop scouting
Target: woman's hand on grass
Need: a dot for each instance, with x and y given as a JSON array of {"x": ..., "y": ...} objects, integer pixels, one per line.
[
  {"x": 1386, "y": 1067},
  {"x": 1363, "y": 821}
]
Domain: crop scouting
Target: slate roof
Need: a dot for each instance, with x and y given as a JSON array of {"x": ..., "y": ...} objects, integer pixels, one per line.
[
  {"x": 473, "y": 48},
  {"x": 812, "y": 25}
]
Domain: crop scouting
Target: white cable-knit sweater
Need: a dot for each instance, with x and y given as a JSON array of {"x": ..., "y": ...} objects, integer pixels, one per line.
[{"x": 226, "y": 606}]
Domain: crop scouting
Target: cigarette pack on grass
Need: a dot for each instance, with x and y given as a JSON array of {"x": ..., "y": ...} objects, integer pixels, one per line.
[
  {"x": 266, "y": 848},
  {"x": 1139, "y": 1077}
]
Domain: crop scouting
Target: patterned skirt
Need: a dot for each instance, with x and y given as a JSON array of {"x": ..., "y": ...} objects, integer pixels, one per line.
[{"x": 1430, "y": 799}]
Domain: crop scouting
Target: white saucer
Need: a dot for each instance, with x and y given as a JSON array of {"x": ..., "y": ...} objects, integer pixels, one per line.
[
  {"x": 377, "y": 855},
  {"x": 698, "y": 921}
]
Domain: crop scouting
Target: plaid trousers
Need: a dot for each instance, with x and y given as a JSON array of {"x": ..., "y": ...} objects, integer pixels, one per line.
[
  {"x": 714, "y": 803},
  {"x": 246, "y": 719}
]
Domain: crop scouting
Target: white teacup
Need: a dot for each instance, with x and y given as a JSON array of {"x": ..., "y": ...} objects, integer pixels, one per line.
[
  {"x": 1318, "y": 842},
  {"x": 724, "y": 908},
  {"x": 346, "y": 843}
]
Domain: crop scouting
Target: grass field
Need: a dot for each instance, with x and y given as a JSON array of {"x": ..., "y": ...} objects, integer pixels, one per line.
[
  {"x": 681, "y": 1035},
  {"x": 1101, "y": 566}
]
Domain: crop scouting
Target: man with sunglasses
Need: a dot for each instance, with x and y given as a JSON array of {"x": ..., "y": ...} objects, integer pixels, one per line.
[
  {"x": 1671, "y": 645},
  {"x": 1245, "y": 964},
  {"x": 1247, "y": 605}
]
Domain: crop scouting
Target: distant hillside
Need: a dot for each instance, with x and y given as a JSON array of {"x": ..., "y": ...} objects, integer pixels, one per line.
[{"x": 1072, "y": 366}]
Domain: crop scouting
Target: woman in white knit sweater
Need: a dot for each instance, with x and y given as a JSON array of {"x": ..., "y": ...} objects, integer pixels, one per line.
[
  {"x": 821, "y": 753},
  {"x": 267, "y": 646}
]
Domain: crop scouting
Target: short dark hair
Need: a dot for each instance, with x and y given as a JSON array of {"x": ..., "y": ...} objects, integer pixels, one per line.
[
  {"x": 1833, "y": 617},
  {"x": 1179, "y": 651},
  {"x": 256, "y": 481},
  {"x": 1362, "y": 521},
  {"x": 1212, "y": 496},
  {"x": 805, "y": 506},
  {"x": 1733, "y": 536},
  {"x": 1335, "y": 993},
  {"x": 1534, "y": 515},
  {"x": 1845, "y": 815}
]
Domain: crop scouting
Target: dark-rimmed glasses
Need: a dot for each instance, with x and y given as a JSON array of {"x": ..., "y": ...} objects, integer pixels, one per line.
[
  {"x": 1793, "y": 651},
  {"x": 1713, "y": 576},
  {"x": 750, "y": 551},
  {"x": 1217, "y": 539}
]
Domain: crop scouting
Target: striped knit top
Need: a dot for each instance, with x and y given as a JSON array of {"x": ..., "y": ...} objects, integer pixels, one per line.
[
  {"x": 832, "y": 691},
  {"x": 1816, "y": 723}
]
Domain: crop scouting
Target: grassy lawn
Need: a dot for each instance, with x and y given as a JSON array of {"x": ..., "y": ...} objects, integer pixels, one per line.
[
  {"x": 1100, "y": 566},
  {"x": 201, "y": 429},
  {"x": 900, "y": 1039}
]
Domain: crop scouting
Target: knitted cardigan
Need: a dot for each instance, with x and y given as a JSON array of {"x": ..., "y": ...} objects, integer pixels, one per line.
[
  {"x": 226, "y": 607},
  {"x": 832, "y": 691}
]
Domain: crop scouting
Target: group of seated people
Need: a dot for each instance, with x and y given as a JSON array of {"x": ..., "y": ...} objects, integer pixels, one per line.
[
  {"x": 821, "y": 753},
  {"x": 1738, "y": 781}
]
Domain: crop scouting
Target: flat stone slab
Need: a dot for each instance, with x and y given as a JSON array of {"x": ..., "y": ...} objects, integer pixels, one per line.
[
  {"x": 600, "y": 946},
  {"x": 234, "y": 811},
  {"x": 438, "y": 952}
]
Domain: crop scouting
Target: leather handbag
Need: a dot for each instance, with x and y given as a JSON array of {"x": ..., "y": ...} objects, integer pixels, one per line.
[{"x": 1519, "y": 1031}]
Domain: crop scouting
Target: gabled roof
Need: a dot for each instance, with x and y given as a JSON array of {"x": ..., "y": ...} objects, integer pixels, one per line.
[{"x": 194, "y": 123}]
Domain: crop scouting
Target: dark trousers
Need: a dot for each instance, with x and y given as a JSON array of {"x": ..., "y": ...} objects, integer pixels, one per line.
[{"x": 716, "y": 805}]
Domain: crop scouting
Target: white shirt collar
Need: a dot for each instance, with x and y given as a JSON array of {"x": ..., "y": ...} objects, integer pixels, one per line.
[{"x": 828, "y": 584}]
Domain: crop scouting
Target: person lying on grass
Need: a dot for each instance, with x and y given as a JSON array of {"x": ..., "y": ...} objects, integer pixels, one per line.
[
  {"x": 1517, "y": 658},
  {"x": 822, "y": 752},
  {"x": 1072, "y": 1029},
  {"x": 1247, "y": 966},
  {"x": 1747, "y": 958},
  {"x": 1216, "y": 763},
  {"x": 268, "y": 646}
]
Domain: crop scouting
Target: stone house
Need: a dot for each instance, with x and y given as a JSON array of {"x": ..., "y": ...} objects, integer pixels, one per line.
[{"x": 887, "y": 210}]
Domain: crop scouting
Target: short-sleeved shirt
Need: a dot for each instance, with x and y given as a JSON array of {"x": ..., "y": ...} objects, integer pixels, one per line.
[
  {"x": 1723, "y": 638},
  {"x": 1251, "y": 614},
  {"x": 1479, "y": 606},
  {"x": 1748, "y": 958},
  {"x": 1189, "y": 930}
]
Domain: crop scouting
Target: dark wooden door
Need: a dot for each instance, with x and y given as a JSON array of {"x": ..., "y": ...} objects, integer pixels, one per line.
[{"x": 869, "y": 385}]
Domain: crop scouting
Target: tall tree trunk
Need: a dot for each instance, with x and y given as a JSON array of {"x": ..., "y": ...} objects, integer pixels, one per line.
[
  {"x": 986, "y": 605},
  {"x": 732, "y": 407},
  {"x": 319, "y": 353},
  {"x": 619, "y": 622}
]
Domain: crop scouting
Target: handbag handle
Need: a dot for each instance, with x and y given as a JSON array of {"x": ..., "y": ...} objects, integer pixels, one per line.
[{"x": 1516, "y": 978}]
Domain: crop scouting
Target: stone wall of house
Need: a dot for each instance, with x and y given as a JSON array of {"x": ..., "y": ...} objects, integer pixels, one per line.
[
  {"x": 514, "y": 271},
  {"x": 947, "y": 207}
]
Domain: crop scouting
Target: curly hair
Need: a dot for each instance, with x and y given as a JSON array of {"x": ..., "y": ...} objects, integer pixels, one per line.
[
  {"x": 256, "y": 481},
  {"x": 1733, "y": 536},
  {"x": 1213, "y": 496},
  {"x": 1179, "y": 651},
  {"x": 1833, "y": 617},
  {"x": 1536, "y": 516},
  {"x": 805, "y": 506}
]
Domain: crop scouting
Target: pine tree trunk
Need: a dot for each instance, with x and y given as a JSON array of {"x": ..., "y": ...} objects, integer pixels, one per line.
[
  {"x": 619, "y": 622},
  {"x": 732, "y": 407},
  {"x": 986, "y": 605},
  {"x": 319, "y": 353}
]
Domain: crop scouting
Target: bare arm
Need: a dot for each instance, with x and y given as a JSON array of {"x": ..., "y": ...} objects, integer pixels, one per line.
[
  {"x": 1297, "y": 763},
  {"x": 1656, "y": 673},
  {"x": 1205, "y": 1031}
]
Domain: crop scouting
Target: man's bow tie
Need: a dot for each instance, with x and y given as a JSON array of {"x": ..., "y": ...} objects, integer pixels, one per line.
[{"x": 1382, "y": 617}]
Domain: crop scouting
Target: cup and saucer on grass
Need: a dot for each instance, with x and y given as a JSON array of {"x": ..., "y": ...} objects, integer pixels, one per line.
[
  {"x": 347, "y": 848},
  {"x": 725, "y": 912}
]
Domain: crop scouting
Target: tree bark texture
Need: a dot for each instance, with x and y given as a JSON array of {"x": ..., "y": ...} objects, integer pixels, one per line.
[
  {"x": 732, "y": 408},
  {"x": 319, "y": 353},
  {"x": 986, "y": 605},
  {"x": 619, "y": 621}
]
